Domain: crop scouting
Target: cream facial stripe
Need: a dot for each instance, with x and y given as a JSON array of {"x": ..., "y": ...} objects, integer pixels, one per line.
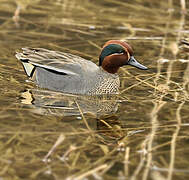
[
  {"x": 128, "y": 54},
  {"x": 125, "y": 48}
]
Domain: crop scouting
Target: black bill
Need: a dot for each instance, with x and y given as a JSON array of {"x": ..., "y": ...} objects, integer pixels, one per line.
[{"x": 133, "y": 62}]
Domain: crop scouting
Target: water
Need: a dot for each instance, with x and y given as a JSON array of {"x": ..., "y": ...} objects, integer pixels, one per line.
[{"x": 142, "y": 133}]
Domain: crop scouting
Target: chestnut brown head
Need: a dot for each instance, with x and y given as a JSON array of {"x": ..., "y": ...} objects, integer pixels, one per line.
[{"x": 116, "y": 53}]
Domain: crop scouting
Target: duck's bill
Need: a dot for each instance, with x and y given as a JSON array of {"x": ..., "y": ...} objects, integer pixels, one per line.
[{"x": 133, "y": 62}]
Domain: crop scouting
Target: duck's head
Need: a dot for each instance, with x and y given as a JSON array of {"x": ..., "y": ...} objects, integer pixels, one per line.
[{"x": 116, "y": 53}]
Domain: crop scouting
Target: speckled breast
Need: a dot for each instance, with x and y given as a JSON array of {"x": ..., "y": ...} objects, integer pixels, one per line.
[{"x": 106, "y": 85}]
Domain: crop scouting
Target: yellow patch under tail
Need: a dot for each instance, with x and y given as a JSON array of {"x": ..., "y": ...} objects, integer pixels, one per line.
[{"x": 29, "y": 68}]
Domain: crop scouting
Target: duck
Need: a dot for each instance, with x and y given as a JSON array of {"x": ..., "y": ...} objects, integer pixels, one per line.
[{"x": 69, "y": 73}]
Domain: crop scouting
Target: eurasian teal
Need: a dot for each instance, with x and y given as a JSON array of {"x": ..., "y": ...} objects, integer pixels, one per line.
[{"x": 69, "y": 73}]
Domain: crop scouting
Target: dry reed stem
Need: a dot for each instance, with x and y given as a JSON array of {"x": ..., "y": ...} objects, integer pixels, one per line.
[
  {"x": 141, "y": 163},
  {"x": 94, "y": 44},
  {"x": 84, "y": 119},
  {"x": 57, "y": 143},
  {"x": 142, "y": 81},
  {"x": 154, "y": 122},
  {"x": 135, "y": 85},
  {"x": 71, "y": 148},
  {"x": 126, "y": 162},
  {"x": 88, "y": 173},
  {"x": 106, "y": 123},
  {"x": 173, "y": 142},
  {"x": 183, "y": 5}
]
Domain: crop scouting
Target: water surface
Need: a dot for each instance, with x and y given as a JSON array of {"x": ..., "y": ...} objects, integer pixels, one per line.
[{"x": 142, "y": 133}]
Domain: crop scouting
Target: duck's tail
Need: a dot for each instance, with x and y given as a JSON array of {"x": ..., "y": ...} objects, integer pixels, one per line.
[{"x": 28, "y": 67}]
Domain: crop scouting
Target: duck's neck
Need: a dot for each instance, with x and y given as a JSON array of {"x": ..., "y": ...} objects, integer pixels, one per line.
[{"x": 111, "y": 70}]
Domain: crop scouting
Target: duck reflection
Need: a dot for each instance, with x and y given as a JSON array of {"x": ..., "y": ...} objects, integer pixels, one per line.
[
  {"x": 49, "y": 102},
  {"x": 99, "y": 111}
]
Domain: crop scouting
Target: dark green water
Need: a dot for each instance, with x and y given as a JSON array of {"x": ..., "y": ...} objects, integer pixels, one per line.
[{"x": 140, "y": 134}]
